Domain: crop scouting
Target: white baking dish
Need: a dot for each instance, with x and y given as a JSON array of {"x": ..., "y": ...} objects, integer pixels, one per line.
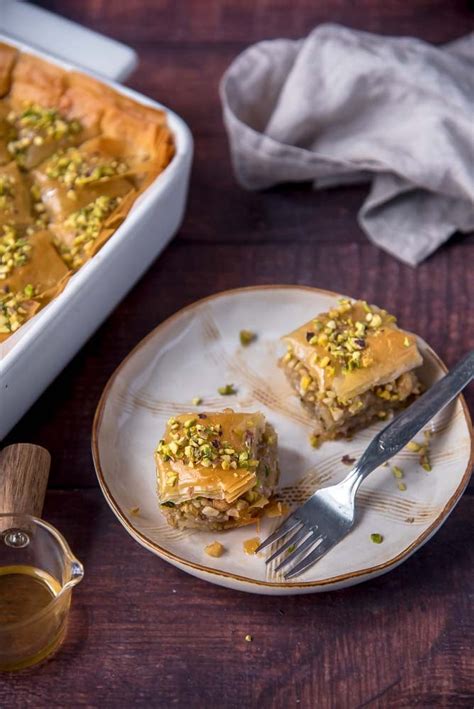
[
  {"x": 32, "y": 357},
  {"x": 59, "y": 37}
]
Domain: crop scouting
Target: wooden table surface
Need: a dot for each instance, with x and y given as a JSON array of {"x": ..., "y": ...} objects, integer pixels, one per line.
[{"x": 143, "y": 633}]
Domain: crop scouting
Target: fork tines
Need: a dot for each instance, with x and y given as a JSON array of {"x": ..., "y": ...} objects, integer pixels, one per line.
[{"x": 304, "y": 538}]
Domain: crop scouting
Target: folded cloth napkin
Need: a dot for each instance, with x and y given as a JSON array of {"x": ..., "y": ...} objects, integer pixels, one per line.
[{"x": 344, "y": 106}]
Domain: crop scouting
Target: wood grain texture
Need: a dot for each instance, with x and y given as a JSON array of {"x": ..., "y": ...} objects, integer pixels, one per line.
[
  {"x": 358, "y": 269},
  {"x": 143, "y": 633},
  {"x": 24, "y": 470},
  {"x": 244, "y": 21}
]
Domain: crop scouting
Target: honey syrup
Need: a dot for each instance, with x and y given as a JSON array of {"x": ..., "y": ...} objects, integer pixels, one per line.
[{"x": 27, "y": 593}]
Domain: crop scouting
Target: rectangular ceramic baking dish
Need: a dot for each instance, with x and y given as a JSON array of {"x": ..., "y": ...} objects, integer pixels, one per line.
[{"x": 31, "y": 358}]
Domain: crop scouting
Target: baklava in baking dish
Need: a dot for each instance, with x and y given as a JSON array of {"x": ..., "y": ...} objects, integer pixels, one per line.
[
  {"x": 74, "y": 157},
  {"x": 350, "y": 366},
  {"x": 216, "y": 470}
]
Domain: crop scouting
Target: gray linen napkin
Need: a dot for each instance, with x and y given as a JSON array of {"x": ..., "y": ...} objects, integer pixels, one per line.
[{"x": 344, "y": 106}]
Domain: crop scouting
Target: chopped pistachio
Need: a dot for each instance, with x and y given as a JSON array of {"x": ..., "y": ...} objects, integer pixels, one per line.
[
  {"x": 196, "y": 401},
  {"x": 34, "y": 126},
  {"x": 315, "y": 441},
  {"x": 376, "y": 538},
  {"x": 344, "y": 340},
  {"x": 305, "y": 381},
  {"x": 86, "y": 224},
  {"x": 248, "y": 638},
  {"x": 14, "y": 250},
  {"x": 227, "y": 390},
  {"x": 397, "y": 472},
  {"x": 195, "y": 443},
  {"x": 75, "y": 169},
  {"x": 427, "y": 466},
  {"x": 12, "y": 309},
  {"x": 402, "y": 487},
  {"x": 7, "y": 192},
  {"x": 246, "y": 337},
  {"x": 414, "y": 447},
  {"x": 406, "y": 342}
]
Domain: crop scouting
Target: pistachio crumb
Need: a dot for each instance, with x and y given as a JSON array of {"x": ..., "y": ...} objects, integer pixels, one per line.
[
  {"x": 227, "y": 390},
  {"x": 247, "y": 337},
  {"x": 196, "y": 401},
  {"x": 402, "y": 487},
  {"x": 315, "y": 442},
  {"x": 376, "y": 538},
  {"x": 414, "y": 447},
  {"x": 397, "y": 472},
  {"x": 248, "y": 638}
]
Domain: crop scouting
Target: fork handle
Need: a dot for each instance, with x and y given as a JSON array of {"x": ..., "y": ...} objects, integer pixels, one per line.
[{"x": 402, "y": 429}]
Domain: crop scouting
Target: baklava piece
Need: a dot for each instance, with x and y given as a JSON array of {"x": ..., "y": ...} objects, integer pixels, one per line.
[
  {"x": 31, "y": 274},
  {"x": 216, "y": 470},
  {"x": 73, "y": 178},
  {"x": 74, "y": 157},
  {"x": 37, "y": 132},
  {"x": 351, "y": 366}
]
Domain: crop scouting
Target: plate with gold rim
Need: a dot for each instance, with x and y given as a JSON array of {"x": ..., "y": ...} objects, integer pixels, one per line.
[{"x": 196, "y": 351}]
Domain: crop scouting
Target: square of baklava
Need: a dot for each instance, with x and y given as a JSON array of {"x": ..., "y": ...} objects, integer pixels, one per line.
[
  {"x": 216, "y": 470},
  {"x": 31, "y": 274},
  {"x": 351, "y": 366},
  {"x": 76, "y": 176}
]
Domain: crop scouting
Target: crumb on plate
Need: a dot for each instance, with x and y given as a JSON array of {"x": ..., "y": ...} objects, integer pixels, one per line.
[
  {"x": 227, "y": 390},
  {"x": 247, "y": 337},
  {"x": 215, "y": 549}
]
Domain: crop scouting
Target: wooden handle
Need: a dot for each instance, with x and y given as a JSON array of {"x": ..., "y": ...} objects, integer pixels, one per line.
[{"x": 24, "y": 470}]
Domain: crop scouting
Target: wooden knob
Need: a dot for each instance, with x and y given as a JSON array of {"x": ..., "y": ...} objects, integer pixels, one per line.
[{"x": 24, "y": 470}]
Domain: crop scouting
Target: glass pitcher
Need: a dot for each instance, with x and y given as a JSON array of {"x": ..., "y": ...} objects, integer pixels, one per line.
[{"x": 37, "y": 574}]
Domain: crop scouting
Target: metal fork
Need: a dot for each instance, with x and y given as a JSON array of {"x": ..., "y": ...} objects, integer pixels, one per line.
[{"x": 329, "y": 514}]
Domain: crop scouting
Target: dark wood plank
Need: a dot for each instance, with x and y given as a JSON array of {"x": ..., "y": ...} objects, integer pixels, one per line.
[
  {"x": 144, "y": 634},
  {"x": 61, "y": 420},
  {"x": 360, "y": 270},
  {"x": 248, "y": 21}
]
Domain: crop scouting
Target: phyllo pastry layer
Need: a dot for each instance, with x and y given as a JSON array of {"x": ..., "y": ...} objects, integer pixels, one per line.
[
  {"x": 15, "y": 197},
  {"x": 72, "y": 178},
  {"x": 350, "y": 366},
  {"x": 31, "y": 274},
  {"x": 216, "y": 470},
  {"x": 74, "y": 157}
]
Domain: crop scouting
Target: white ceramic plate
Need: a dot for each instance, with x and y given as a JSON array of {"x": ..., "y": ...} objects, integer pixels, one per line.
[{"x": 196, "y": 351}]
